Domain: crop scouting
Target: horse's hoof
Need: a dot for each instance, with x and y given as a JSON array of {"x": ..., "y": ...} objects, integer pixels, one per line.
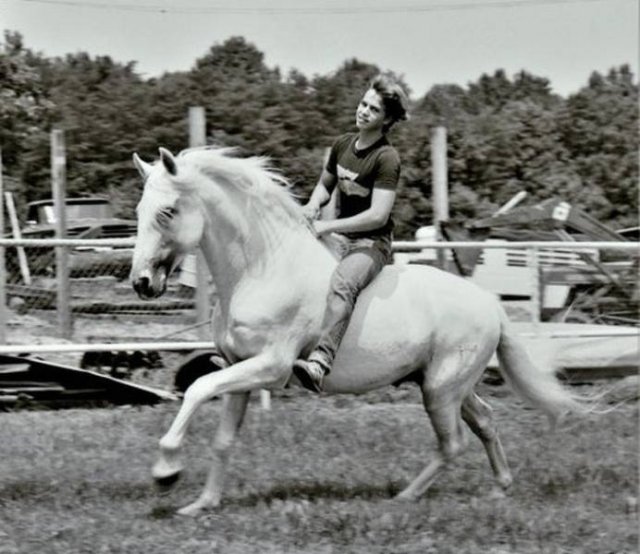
[
  {"x": 497, "y": 494},
  {"x": 196, "y": 508},
  {"x": 166, "y": 483},
  {"x": 404, "y": 498},
  {"x": 189, "y": 511}
]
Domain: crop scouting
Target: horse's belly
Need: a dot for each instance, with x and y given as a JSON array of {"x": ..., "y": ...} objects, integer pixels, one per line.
[{"x": 401, "y": 318}]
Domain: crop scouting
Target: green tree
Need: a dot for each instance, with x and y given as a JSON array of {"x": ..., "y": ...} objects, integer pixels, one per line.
[
  {"x": 504, "y": 134},
  {"x": 96, "y": 102},
  {"x": 599, "y": 128},
  {"x": 515, "y": 149},
  {"x": 25, "y": 109}
]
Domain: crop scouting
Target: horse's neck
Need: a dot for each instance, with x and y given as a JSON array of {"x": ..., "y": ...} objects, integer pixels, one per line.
[{"x": 240, "y": 249}]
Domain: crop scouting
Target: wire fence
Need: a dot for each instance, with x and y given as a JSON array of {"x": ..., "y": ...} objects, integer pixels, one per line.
[
  {"x": 97, "y": 277},
  {"x": 552, "y": 280},
  {"x": 107, "y": 321}
]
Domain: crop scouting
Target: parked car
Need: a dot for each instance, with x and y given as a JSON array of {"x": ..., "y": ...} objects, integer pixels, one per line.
[{"x": 87, "y": 217}]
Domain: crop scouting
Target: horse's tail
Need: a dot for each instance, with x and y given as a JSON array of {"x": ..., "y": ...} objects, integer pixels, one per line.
[{"x": 539, "y": 387}]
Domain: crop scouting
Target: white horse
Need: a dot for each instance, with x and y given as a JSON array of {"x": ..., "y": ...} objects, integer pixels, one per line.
[{"x": 272, "y": 277}]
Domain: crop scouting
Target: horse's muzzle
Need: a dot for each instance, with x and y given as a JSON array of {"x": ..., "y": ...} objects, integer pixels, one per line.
[{"x": 145, "y": 290}]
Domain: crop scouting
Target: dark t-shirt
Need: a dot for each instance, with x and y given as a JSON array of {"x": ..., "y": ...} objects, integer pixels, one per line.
[{"x": 357, "y": 172}]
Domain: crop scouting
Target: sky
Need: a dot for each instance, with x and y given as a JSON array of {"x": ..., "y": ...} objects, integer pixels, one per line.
[{"x": 428, "y": 42}]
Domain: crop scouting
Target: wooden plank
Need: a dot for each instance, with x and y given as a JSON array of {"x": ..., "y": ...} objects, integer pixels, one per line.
[
  {"x": 14, "y": 368},
  {"x": 15, "y": 230},
  {"x": 8, "y": 384},
  {"x": 8, "y": 398},
  {"x": 19, "y": 390},
  {"x": 574, "y": 276},
  {"x": 83, "y": 392},
  {"x": 107, "y": 388}
]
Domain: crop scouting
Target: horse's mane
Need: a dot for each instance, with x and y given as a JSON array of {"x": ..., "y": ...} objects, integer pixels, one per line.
[{"x": 267, "y": 190}]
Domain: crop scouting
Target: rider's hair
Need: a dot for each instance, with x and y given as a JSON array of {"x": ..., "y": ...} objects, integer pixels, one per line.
[{"x": 394, "y": 98}]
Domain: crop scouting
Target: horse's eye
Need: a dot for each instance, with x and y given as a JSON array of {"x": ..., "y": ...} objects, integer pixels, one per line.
[{"x": 165, "y": 215}]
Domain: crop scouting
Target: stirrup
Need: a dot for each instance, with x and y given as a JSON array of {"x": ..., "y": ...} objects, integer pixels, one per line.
[{"x": 307, "y": 379}]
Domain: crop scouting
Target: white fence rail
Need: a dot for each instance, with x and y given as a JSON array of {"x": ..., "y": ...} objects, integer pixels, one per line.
[
  {"x": 79, "y": 245},
  {"x": 397, "y": 245}
]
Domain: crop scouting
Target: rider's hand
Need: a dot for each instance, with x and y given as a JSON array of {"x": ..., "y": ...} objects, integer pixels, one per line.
[{"x": 311, "y": 211}]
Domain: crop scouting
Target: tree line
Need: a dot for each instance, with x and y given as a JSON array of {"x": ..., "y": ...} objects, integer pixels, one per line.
[{"x": 505, "y": 134}]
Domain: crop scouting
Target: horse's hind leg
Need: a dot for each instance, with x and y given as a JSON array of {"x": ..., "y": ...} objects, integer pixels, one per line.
[
  {"x": 479, "y": 416},
  {"x": 443, "y": 408},
  {"x": 234, "y": 409}
]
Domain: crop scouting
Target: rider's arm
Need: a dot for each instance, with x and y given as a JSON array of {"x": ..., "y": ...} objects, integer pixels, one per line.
[
  {"x": 383, "y": 197},
  {"x": 382, "y": 200},
  {"x": 321, "y": 194}
]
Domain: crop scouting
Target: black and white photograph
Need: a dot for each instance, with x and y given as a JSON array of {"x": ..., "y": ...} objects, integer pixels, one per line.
[{"x": 319, "y": 277}]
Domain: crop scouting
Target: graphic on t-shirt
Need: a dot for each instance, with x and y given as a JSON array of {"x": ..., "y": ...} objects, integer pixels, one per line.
[{"x": 347, "y": 183}]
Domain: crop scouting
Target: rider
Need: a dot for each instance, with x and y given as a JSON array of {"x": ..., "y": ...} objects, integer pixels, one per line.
[{"x": 365, "y": 167}]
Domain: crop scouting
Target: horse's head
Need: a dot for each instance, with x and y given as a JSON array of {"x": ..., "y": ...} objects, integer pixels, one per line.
[{"x": 170, "y": 223}]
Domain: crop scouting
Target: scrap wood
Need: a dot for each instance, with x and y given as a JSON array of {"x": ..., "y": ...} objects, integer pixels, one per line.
[
  {"x": 11, "y": 383},
  {"x": 9, "y": 398},
  {"x": 14, "y": 368},
  {"x": 590, "y": 260},
  {"x": 29, "y": 390},
  {"x": 57, "y": 382}
]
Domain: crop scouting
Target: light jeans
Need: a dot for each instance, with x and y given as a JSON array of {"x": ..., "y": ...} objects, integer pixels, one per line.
[{"x": 362, "y": 259}]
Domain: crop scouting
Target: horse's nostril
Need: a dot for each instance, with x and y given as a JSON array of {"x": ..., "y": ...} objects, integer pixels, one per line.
[{"x": 141, "y": 285}]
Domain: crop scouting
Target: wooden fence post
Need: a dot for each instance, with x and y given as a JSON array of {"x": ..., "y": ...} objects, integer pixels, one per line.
[
  {"x": 533, "y": 259},
  {"x": 439, "y": 187},
  {"x": 3, "y": 274},
  {"x": 198, "y": 137},
  {"x": 58, "y": 185}
]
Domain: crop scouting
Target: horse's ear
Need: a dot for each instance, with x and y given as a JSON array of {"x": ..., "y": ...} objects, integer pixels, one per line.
[
  {"x": 168, "y": 161},
  {"x": 142, "y": 166}
]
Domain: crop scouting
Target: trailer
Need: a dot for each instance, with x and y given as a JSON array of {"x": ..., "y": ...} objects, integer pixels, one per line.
[{"x": 574, "y": 285}]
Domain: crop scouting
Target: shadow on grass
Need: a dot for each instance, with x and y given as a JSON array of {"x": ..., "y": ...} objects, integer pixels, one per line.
[
  {"x": 296, "y": 492},
  {"x": 317, "y": 491},
  {"x": 79, "y": 491}
]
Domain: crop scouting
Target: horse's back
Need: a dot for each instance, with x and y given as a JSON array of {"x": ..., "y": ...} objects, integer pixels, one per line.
[
  {"x": 435, "y": 293},
  {"x": 406, "y": 316}
]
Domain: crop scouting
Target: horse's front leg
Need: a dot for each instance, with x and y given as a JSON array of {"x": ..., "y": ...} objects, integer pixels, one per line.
[
  {"x": 233, "y": 411},
  {"x": 262, "y": 371}
]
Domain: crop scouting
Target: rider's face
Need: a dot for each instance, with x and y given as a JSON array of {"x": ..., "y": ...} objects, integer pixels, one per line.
[{"x": 370, "y": 114}]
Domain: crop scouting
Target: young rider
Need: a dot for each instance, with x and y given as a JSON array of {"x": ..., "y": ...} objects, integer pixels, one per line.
[{"x": 365, "y": 167}]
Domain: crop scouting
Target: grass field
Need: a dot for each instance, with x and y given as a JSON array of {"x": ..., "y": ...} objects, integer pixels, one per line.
[{"x": 316, "y": 475}]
